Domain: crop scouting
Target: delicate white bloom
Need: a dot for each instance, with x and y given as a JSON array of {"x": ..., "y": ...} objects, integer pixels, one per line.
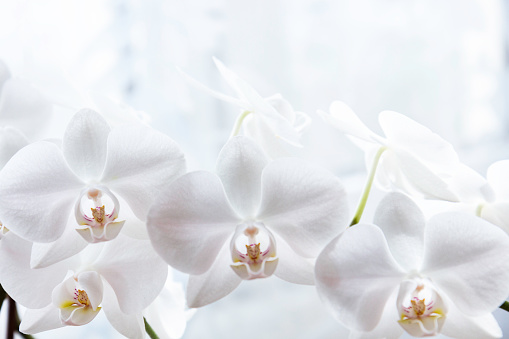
[
  {"x": 251, "y": 220},
  {"x": 414, "y": 159},
  {"x": 96, "y": 171},
  {"x": 272, "y": 121},
  {"x": 444, "y": 276},
  {"x": 121, "y": 278}
]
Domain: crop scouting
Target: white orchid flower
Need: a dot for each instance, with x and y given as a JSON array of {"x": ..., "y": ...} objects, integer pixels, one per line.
[
  {"x": 251, "y": 220},
  {"x": 410, "y": 157},
  {"x": 93, "y": 174},
  {"x": 271, "y": 121},
  {"x": 443, "y": 276},
  {"x": 121, "y": 278}
]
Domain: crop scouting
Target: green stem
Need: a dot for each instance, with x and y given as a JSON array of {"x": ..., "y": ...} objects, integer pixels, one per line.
[
  {"x": 367, "y": 188},
  {"x": 238, "y": 123},
  {"x": 478, "y": 210},
  {"x": 150, "y": 331},
  {"x": 505, "y": 306}
]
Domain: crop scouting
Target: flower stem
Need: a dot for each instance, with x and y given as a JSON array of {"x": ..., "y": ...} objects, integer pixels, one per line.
[
  {"x": 367, "y": 188},
  {"x": 505, "y": 306},
  {"x": 150, "y": 331},
  {"x": 238, "y": 123},
  {"x": 11, "y": 318}
]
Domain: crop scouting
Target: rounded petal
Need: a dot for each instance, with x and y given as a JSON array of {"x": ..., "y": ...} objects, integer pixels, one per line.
[
  {"x": 219, "y": 281},
  {"x": 291, "y": 266},
  {"x": 11, "y": 141},
  {"x": 31, "y": 288},
  {"x": 129, "y": 325},
  {"x": 414, "y": 137},
  {"x": 497, "y": 177},
  {"x": 403, "y": 224},
  {"x": 355, "y": 276},
  {"x": 84, "y": 144},
  {"x": 37, "y": 192},
  {"x": 39, "y": 320},
  {"x": 140, "y": 162},
  {"x": 135, "y": 272},
  {"x": 497, "y": 213},
  {"x": 468, "y": 258},
  {"x": 24, "y": 108},
  {"x": 304, "y": 204},
  {"x": 345, "y": 120},
  {"x": 91, "y": 282},
  {"x": 190, "y": 222},
  {"x": 240, "y": 166}
]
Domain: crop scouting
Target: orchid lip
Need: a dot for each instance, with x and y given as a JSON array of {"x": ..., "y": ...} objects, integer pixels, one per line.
[
  {"x": 253, "y": 250},
  {"x": 98, "y": 225}
]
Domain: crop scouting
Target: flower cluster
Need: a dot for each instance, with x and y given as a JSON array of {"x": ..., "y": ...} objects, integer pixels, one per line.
[{"x": 91, "y": 223}]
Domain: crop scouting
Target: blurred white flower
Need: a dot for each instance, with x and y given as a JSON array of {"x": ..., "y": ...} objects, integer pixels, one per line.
[
  {"x": 253, "y": 219},
  {"x": 271, "y": 122},
  {"x": 412, "y": 158},
  {"x": 93, "y": 170},
  {"x": 121, "y": 277},
  {"x": 444, "y": 276}
]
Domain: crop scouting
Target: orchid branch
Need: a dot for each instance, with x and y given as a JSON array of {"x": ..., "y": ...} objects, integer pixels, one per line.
[
  {"x": 367, "y": 188},
  {"x": 150, "y": 331}
]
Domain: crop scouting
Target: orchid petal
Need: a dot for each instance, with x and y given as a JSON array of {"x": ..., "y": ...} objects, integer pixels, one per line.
[
  {"x": 31, "y": 288},
  {"x": 468, "y": 258},
  {"x": 282, "y": 106},
  {"x": 39, "y": 320},
  {"x": 291, "y": 266},
  {"x": 414, "y": 137},
  {"x": 497, "y": 176},
  {"x": 23, "y": 107},
  {"x": 403, "y": 225},
  {"x": 91, "y": 282},
  {"x": 129, "y": 325},
  {"x": 37, "y": 192},
  {"x": 460, "y": 325},
  {"x": 216, "y": 283},
  {"x": 355, "y": 276},
  {"x": 345, "y": 120},
  {"x": 240, "y": 166},
  {"x": 145, "y": 157},
  {"x": 84, "y": 144},
  {"x": 190, "y": 222},
  {"x": 304, "y": 204},
  {"x": 498, "y": 214},
  {"x": 422, "y": 178},
  {"x": 134, "y": 271},
  {"x": 11, "y": 141},
  {"x": 69, "y": 244}
]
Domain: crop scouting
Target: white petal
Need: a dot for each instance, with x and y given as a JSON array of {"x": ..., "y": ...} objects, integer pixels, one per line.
[
  {"x": 40, "y": 320},
  {"x": 69, "y": 244},
  {"x": 498, "y": 214},
  {"x": 291, "y": 266},
  {"x": 37, "y": 192},
  {"x": 240, "y": 166},
  {"x": 497, "y": 177},
  {"x": 11, "y": 141},
  {"x": 468, "y": 258},
  {"x": 345, "y": 120},
  {"x": 30, "y": 287},
  {"x": 304, "y": 204},
  {"x": 414, "y": 137},
  {"x": 190, "y": 222},
  {"x": 140, "y": 162},
  {"x": 219, "y": 281},
  {"x": 134, "y": 270},
  {"x": 91, "y": 283},
  {"x": 84, "y": 144},
  {"x": 282, "y": 106},
  {"x": 403, "y": 224},
  {"x": 355, "y": 276},
  {"x": 129, "y": 325},
  {"x": 24, "y": 108},
  {"x": 422, "y": 178},
  {"x": 459, "y": 325}
]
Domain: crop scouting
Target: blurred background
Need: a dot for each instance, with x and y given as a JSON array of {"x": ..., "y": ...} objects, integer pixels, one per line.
[{"x": 442, "y": 63}]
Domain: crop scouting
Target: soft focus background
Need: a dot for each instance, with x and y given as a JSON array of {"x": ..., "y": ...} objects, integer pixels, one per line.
[{"x": 442, "y": 63}]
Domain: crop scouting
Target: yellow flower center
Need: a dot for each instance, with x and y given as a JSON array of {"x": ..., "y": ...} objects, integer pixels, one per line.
[
  {"x": 82, "y": 298},
  {"x": 98, "y": 213},
  {"x": 253, "y": 251}
]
